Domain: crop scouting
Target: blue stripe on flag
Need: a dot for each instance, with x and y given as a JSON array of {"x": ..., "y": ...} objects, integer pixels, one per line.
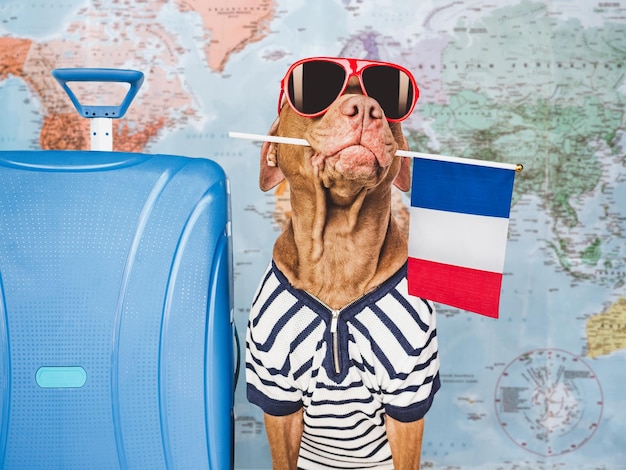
[{"x": 461, "y": 187}]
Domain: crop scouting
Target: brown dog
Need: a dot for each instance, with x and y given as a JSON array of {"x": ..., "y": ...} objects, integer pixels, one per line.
[{"x": 340, "y": 244}]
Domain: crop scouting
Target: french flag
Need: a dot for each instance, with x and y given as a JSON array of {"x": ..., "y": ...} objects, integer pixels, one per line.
[{"x": 458, "y": 232}]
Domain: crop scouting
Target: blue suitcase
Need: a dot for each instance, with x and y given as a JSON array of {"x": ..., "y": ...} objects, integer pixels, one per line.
[{"x": 116, "y": 328}]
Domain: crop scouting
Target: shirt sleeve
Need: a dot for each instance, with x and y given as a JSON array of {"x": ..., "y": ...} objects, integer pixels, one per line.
[
  {"x": 269, "y": 378},
  {"x": 269, "y": 385},
  {"x": 409, "y": 359}
]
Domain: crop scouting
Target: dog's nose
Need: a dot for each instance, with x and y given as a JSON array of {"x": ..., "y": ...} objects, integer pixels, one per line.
[{"x": 361, "y": 107}]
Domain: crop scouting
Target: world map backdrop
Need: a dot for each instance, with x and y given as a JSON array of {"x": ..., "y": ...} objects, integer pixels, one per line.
[{"x": 540, "y": 83}]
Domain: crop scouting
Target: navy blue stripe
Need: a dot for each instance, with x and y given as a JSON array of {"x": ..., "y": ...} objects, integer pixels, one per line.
[
  {"x": 460, "y": 187},
  {"x": 330, "y": 434},
  {"x": 324, "y": 386},
  {"x": 392, "y": 327},
  {"x": 346, "y": 415},
  {"x": 262, "y": 286},
  {"x": 362, "y": 366},
  {"x": 269, "y": 383},
  {"x": 270, "y": 406},
  {"x": 343, "y": 449},
  {"x": 382, "y": 444},
  {"x": 380, "y": 355},
  {"x": 265, "y": 307},
  {"x": 336, "y": 388},
  {"x": 348, "y": 428},
  {"x": 426, "y": 365},
  {"x": 286, "y": 367},
  {"x": 413, "y": 388},
  {"x": 415, "y": 411},
  {"x": 278, "y": 326},
  {"x": 350, "y": 401},
  {"x": 409, "y": 308},
  {"x": 418, "y": 351},
  {"x": 341, "y": 464},
  {"x": 283, "y": 371},
  {"x": 305, "y": 333},
  {"x": 270, "y": 370},
  {"x": 302, "y": 370}
]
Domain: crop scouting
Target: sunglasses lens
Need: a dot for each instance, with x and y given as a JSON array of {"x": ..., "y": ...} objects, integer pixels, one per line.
[
  {"x": 313, "y": 86},
  {"x": 392, "y": 88}
]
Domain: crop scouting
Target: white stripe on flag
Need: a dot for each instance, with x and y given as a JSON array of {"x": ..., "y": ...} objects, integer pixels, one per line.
[{"x": 471, "y": 241}]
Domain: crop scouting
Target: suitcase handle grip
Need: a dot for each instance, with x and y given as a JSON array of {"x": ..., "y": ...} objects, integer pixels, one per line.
[{"x": 132, "y": 77}]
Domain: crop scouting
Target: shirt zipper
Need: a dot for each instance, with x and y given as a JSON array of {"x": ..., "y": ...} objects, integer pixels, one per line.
[
  {"x": 333, "y": 331},
  {"x": 334, "y": 323}
]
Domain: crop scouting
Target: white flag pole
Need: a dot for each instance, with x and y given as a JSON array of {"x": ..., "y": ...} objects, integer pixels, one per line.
[
  {"x": 269, "y": 138},
  {"x": 400, "y": 153},
  {"x": 470, "y": 161}
]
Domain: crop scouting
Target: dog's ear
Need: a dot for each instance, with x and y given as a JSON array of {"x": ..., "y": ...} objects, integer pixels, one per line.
[
  {"x": 403, "y": 179},
  {"x": 270, "y": 175}
]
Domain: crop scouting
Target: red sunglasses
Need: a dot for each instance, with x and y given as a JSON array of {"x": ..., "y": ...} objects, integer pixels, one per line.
[{"x": 311, "y": 85}]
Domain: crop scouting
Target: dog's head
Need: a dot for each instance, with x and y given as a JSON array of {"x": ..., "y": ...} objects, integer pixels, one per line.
[{"x": 352, "y": 149}]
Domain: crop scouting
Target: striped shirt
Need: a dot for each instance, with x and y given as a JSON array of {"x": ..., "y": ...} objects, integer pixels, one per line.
[{"x": 347, "y": 368}]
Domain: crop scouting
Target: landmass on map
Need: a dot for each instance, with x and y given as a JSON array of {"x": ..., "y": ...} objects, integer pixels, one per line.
[
  {"x": 606, "y": 332},
  {"x": 230, "y": 25}
]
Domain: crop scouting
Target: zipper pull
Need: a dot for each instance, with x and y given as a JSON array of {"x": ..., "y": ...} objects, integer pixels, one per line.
[{"x": 334, "y": 321}]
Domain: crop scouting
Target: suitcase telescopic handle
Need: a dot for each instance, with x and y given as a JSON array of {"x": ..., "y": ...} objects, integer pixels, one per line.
[{"x": 133, "y": 77}]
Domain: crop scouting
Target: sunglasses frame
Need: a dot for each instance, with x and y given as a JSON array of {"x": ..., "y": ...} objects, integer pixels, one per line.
[{"x": 353, "y": 68}]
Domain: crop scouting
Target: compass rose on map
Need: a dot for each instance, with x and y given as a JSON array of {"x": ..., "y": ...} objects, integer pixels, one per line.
[{"x": 549, "y": 402}]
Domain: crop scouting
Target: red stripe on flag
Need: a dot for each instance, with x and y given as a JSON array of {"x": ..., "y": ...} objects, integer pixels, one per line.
[{"x": 468, "y": 289}]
